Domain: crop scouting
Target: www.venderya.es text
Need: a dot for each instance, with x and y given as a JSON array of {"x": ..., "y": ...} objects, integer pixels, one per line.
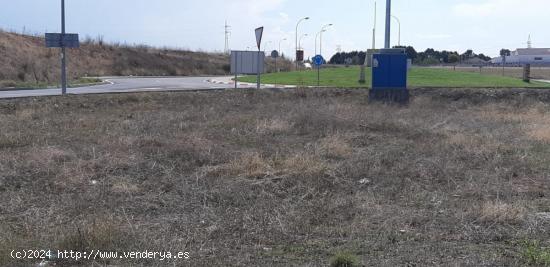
[{"x": 98, "y": 255}]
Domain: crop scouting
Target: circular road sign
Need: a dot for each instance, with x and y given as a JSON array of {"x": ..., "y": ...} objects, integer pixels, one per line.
[
  {"x": 274, "y": 54},
  {"x": 318, "y": 60}
]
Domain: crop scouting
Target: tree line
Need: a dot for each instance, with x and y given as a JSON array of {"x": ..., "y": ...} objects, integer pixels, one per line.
[{"x": 429, "y": 57}]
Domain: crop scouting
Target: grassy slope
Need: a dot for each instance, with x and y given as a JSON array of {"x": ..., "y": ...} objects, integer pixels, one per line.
[
  {"x": 418, "y": 77},
  {"x": 27, "y": 63}
]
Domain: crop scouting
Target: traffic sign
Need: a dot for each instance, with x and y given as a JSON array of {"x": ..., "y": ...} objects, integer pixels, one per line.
[
  {"x": 259, "y": 34},
  {"x": 299, "y": 55},
  {"x": 58, "y": 40},
  {"x": 274, "y": 54},
  {"x": 318, "y": 60}
]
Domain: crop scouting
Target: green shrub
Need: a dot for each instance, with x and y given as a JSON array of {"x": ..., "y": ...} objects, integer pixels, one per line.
[
  {"x": 344, "y": 259},
  {"x": 534, "y": 254}
]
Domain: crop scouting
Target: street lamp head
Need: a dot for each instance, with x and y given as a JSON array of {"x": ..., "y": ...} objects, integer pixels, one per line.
[{"x": 306, "y": 18}]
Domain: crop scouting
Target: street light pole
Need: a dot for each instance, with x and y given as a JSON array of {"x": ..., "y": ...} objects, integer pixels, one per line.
[
  {"x": 321, "y": 38},
  {"x": 282, "y": 40},
  {"x": 296, "y": 52},
  {"x": 388, "y": 24},
  {"x": 63, "y": 52},
  {"x": 317, "y": 37},
  {"x": 374, "y": 28},
  {"x": 398, "y": 23},
  {"x": 300, "y": 41}
]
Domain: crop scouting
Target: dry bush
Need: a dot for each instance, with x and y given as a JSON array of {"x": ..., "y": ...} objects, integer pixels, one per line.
[
  {"x": 304, "y": 164},
  {"x": 500, "y": 212},
  {"x": 540, "y": 133},
  {"x": 249, "y": 165},
  {"x": 335, "y": 146},
  {"x": 272, "y": 126}
]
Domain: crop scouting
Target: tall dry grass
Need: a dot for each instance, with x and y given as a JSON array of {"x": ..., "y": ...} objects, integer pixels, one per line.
[{"x": 262, "y": 178}]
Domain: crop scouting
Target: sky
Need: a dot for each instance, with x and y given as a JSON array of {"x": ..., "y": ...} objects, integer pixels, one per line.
[{"x": 485, "y": 26}]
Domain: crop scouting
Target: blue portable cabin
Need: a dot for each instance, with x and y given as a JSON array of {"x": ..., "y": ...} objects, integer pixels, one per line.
[{"x": 389, "y": 76}]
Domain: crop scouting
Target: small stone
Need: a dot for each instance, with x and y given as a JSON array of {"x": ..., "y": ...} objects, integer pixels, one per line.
[
  {"x": 364, "y": 181},
  {"x": 543, "y": 215}
]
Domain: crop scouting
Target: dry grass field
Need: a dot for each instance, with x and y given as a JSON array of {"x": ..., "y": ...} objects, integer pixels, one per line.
[{"x": 280, "y": 178}]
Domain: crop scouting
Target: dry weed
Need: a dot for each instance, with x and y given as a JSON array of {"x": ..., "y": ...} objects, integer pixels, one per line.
[{"x": 500, "y": 212}]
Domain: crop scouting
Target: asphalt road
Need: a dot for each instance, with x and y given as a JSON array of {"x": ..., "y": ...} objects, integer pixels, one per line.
[{"x": 134, "y": 84}]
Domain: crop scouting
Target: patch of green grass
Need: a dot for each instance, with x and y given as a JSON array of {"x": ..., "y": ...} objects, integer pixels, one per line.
[
  {"x": 534, "y": 254},
  {"x": 418, "y": 77},
  {"x": 344, "y": 259}
]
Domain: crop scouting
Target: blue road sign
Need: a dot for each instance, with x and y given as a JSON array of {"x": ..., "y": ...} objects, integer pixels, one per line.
[
  {"x": 58, "y": 40},
  {"x": 318, "y": 60}
]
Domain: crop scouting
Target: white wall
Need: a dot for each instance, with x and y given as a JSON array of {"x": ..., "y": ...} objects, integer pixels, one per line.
[{"x": 523, "y": 60}]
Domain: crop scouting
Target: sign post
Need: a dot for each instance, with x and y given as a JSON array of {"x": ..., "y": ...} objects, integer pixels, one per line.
[
  {"x": 318, "y": 61},
  {"x": 247, "y": 62},
  {"x": 275, "y": 55},
  {"x": 259, "y": 35},
  {"x": 62, "y": 40},
  {"x": 63, "y": 55}
]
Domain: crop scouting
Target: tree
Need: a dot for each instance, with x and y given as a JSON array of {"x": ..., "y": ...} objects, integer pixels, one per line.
[
  {"x": 468, "y": 54},
  {"x": 505, "y": 52},
  {"x": 484, "y": 57},
  {"x": 453, "y": 58},
  {"x": 410, "y": 51}
]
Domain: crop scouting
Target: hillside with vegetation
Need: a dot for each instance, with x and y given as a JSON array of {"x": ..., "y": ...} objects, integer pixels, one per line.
[{"x": 26, "y": 62}]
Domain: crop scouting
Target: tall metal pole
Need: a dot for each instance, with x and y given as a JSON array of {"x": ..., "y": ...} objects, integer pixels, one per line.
[
  {"x": 374, "y": 28},
  {"x": 296, "y": 51},
  {"x": 259, "y": 75},
  {"x": 388, "y": 24},
  {"x": 321, "y": 38},
  {"x": 63, "y": 55},
  {"x": 317, "y": 37},
  {"x": 300, "y": 41}
]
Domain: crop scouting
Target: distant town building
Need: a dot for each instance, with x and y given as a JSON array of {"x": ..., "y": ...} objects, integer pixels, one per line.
[{"x": 533, "y": 56}]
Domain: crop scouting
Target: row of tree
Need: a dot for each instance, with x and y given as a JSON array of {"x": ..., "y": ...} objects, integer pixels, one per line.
[{"x": 428, "y": 57}]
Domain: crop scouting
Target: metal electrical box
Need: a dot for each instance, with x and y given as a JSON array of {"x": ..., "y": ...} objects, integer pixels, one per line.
[{"x": 389, "y": 76}]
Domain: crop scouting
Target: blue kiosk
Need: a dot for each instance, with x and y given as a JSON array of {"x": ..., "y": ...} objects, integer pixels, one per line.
[
  {"x": 389, "y": 70},
  {"x": 389, "y": 76}
]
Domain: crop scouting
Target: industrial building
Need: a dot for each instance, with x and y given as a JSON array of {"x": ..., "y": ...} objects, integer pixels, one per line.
[{"x": 521, "y": 56}]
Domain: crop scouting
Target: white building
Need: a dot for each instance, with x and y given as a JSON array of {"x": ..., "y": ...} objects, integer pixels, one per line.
[{"x": 533, "y": 56}]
